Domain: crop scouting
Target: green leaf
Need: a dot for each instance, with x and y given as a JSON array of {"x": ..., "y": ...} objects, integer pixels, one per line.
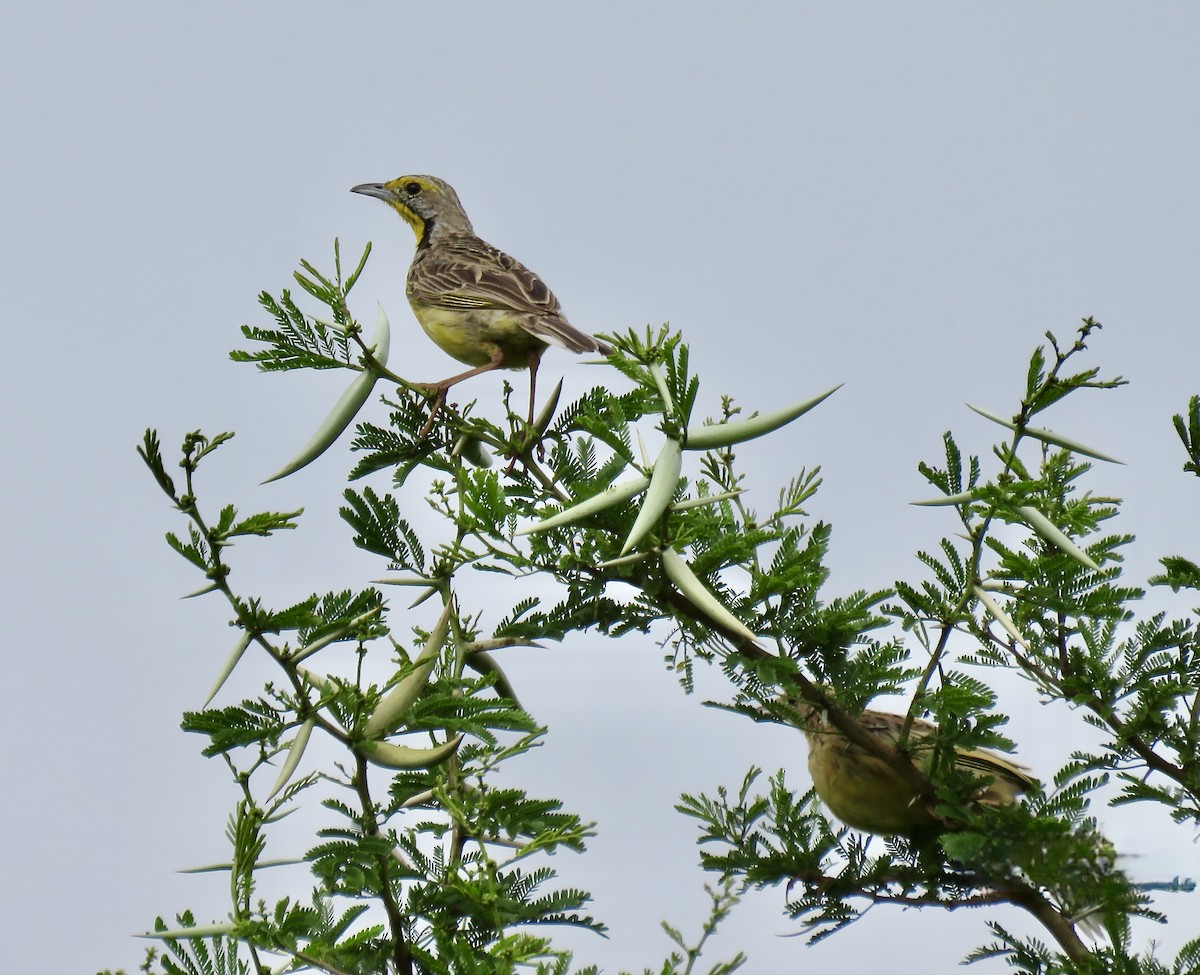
[
  {"x": 265, "y": 523},
  {"x": 297, "y": 342},
  {"x": 379, "y": 528}
]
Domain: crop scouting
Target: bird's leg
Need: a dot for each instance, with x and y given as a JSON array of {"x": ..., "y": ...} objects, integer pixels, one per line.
[
  {"x": 440, "y": 389},
  {"x": 438, "y": 400},
  {"x": 534, "y": 360}
]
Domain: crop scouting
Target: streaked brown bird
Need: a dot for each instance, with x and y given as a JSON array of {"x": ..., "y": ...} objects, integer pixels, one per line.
[
  {"x": 478, "y": 304},
  {"x": 865, "y": 792}
]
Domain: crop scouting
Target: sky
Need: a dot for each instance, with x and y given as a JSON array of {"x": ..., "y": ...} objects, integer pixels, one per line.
[{"x": 900, "y": 197}]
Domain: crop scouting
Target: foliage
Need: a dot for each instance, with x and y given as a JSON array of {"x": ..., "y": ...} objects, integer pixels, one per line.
[{"x": 427, "y": 864}]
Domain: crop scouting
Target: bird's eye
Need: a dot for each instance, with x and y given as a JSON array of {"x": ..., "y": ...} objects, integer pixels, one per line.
[{"x": 412, "y": 189}]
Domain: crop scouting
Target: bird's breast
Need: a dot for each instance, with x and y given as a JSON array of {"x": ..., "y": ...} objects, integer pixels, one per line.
[
  {"x": 861, "y": 790},
  {"x": 473, "y": 335}
]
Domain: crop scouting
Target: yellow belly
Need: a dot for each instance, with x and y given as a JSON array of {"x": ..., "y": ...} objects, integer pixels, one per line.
[
  {"x": 475, "y": 335},
  {"x": 864, "y": 792}
]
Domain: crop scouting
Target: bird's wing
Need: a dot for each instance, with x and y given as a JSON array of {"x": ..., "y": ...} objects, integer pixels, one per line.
[
  {"x": 1010, "y": 777},
  {"x": 467, "y": 273},
  {"x": 887, "y": 726},
  {"x": 1015, "y": 777}
]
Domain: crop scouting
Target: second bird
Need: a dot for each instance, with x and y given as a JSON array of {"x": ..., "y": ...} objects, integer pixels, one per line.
[
  {"x": 865, "y": 792},
  {"x": 478, "y": 304}
]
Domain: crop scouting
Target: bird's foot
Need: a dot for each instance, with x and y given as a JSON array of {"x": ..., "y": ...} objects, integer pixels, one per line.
[{"x": 438, "y": 391}]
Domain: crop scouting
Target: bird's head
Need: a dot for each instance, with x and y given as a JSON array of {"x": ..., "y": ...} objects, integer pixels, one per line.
[{"x": 428, "y": 204}]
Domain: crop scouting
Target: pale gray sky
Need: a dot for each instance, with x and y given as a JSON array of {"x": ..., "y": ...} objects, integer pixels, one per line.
[{"x": 901, "y": 197}]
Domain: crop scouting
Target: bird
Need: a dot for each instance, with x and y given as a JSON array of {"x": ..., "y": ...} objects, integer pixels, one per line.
[
  {"x": 477, "y": 303},
  {"x": 868, "y": 794}
]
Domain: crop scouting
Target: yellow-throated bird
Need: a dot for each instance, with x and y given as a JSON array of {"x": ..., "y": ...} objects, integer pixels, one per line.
[
  {"x": 865, "y": 792},
  {"x": 477, "y": 303}
]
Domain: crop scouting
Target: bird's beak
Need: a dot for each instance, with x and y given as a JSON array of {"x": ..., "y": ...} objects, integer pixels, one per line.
[{"x": 377, "y": 190}]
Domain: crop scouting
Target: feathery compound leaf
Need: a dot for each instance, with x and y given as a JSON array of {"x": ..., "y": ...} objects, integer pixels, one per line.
[
  {"x": 344, "y": 615},
  {"x": 402, "y": 452},
  {"x": 202, "y": 445},
  {"x": 1180, "y": 573},
  {"x": 951, "y": 482},
  {"x": 362, "y": 262},
  {"x": 381, "y": 530},
  {"x": 297, "y": 342},
  {"x": 234, "y": 727},
  {"x": 301, "y": 615},
  {"x": 151, "y": 452},
  {"x": 1189, "y": 434},
  {"x": 197, "y": 552},
  {"x": 264, "y": 523}
]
